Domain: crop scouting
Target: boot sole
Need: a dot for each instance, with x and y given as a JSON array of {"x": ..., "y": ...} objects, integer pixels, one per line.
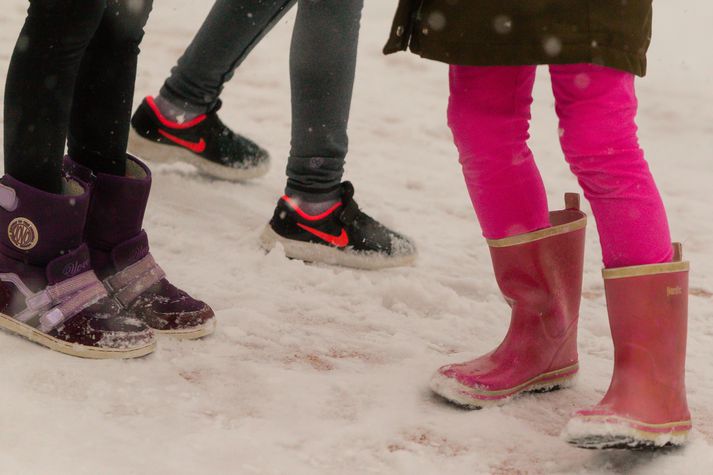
[
  {"x": 73, "y": 349},
  {"x": 477, "y": 398},
  {"x": 598, "y": 432},
  {"x": 162, "y": 153},
  {"x": 189, "y": 333},
  {"x": 310, "y": 252}
]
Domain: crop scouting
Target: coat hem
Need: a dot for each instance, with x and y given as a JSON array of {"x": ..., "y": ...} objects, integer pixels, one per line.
[{"x": 511, "y": 55}]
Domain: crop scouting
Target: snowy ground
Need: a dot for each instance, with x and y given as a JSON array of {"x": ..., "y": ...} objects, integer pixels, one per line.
[{"x": 323, "y": 370}]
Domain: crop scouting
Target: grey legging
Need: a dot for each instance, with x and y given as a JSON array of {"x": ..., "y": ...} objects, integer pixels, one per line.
[{"x": 322, "y": 64}]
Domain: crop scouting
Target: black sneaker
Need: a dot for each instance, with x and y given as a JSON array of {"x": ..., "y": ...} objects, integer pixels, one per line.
[
  {"x": 204, "y": 142},
  {"x": 342, "y": 235}
]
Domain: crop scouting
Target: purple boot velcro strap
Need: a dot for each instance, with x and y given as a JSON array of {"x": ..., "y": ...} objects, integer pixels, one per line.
[
  {"x": 127, "y": 285},
  {"x": 57, "y": 303}
]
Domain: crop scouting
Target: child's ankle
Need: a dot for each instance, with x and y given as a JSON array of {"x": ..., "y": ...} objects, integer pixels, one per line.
[
  {"x": 175, "y": 113},
  {"x": 314, "y": 202}
]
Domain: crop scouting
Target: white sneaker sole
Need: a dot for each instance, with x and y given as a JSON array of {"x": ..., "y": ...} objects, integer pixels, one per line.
[
  {"x": 311, "y": 252},
  {"x": 82, "y": 351},
  {"x": 162, "y": 153}
]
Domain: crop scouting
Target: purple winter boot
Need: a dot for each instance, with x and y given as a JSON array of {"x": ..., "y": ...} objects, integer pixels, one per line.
[
  {"x": 48, "y": 291},
  {"x": 120, "y": 253}
]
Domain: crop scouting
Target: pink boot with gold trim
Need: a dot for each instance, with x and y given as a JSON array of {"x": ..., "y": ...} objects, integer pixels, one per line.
[
  {"x": 645, "y": 405},
  {"x": 540, "y": 275}
]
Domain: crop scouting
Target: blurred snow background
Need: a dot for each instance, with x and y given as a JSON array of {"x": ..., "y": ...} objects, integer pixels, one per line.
[{"x": 317, "y": 369}]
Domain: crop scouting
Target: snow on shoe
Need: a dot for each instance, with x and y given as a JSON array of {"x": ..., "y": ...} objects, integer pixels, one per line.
[
  {"x": 540, "y": 275},
  {"x": 646, "y": 404},
  {"x": 343, "y": 235},
  {"x": 121, "y": 257},
  {"x": 58, "y": 302},
  {"x": 205, "y": 142},
  {"x": 143, "y": 288},
  {"x": 603, "y": 429}
]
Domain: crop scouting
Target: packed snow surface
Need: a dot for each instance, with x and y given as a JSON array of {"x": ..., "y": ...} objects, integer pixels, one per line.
[{"x": 322, "y": 370}]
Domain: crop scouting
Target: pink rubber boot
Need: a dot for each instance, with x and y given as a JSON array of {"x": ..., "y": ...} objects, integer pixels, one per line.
[
  {"x": 540, "y": 275},
  {"x": 645, "y": 405}
]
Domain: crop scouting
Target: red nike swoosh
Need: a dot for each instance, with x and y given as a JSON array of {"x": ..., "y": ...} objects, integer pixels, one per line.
[
  {"x": 197, "y": 147},
  {"x": 339, "y": 241}
]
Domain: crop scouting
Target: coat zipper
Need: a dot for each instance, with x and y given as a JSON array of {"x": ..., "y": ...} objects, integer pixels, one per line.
[
  {"x": 416, "y": 19},
  {"x": 417, "y": 13}
]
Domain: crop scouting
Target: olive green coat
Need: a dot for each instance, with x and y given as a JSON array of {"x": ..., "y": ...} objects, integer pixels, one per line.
[{"x": 614, "y": 33}]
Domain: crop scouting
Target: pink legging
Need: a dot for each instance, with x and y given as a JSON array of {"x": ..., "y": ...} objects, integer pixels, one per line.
[{"x": 489, "y": 114}]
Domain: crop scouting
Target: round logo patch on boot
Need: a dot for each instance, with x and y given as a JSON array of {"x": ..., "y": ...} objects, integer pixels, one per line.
[{"x": 22, "y": 233}]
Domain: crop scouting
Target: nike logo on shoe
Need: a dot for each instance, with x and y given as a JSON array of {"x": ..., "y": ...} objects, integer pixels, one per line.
[
  {"x": 338, "y": 241},
  {"x": 196, "y": 147}
]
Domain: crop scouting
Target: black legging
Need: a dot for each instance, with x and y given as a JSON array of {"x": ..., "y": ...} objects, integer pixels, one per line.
[{"x": 72, "y": 75}]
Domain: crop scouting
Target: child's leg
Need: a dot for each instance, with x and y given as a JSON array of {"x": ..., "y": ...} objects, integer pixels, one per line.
[
  {"x": 489, "y": 113},
  {"x": 43, "y": 252},
  {"x": 103, "y": 96},
  {"x": 597, "y": 109},
  {"x": 645, "y": 405},
  {"x": 40, "y": 85},
  {"x": 322, "y": 79},
  {"x": 539, "y": 273},
  {"x": 230, "y": 32}
]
